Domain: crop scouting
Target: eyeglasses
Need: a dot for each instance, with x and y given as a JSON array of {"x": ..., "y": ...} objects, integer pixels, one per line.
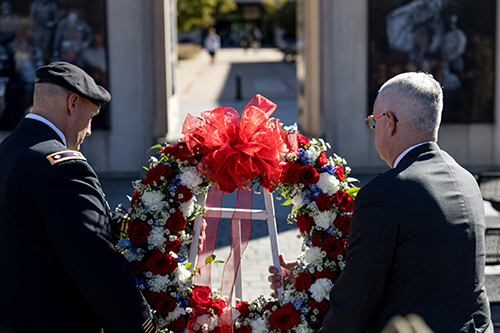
[{"x": 370, "y": 120}]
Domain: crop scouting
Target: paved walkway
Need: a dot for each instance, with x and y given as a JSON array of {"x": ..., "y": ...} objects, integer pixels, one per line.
[{"x": 203, "y": 88}]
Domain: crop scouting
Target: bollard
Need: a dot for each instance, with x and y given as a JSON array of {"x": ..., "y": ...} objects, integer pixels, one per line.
[{"x": 238, "y": 86}]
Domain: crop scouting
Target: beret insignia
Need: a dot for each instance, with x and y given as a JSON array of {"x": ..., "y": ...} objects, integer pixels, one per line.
[{"x": 64, "y": 156}]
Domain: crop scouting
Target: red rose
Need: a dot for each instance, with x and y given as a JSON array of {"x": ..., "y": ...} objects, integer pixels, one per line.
[
  {"x": 161, "y": 263},
  {"x": 343, "y": 201},
  {"x": 317, "y": 240},
  {"x": 243, "y": 329},
  {"x": 303, "y": 281},
  {"x": 200, "y": 298},
  {"x": 269, "y": 306},
  {"x": 291, "y": 173},
  {"x": 165, "y": 305},
  {"x": 243, "y": 308},
  {"x": 138, "y": 232},
  {"x": 324, "y": 202},
  {"x": 183, "y": 194},
  {"x": 343, "y": 223},
  {"x": 218, "y": 305},
  {"x": 327, "y": 274},
  {"x": 176, "y": 222},
  {"x": 284, "y": 318},
  {"x": 178, "y": 325},
  {"x": 322, "y": 307},
  {"x": 333, "y": 246},
  {"x": 138, "y": 268},
  {"x": 340, "y": 172},
  {"x": 302, "y": 140},
  {"x": 174, "y": 246},
  {"x": 304, "y": 223},
  {"x": 135, "y": 198},
  {"x": 161, "y": 302},
  {"x": 322, "y": 159},
  {"x": 308, "y": 175},
  {"x": 156, "y": 173},
  {"x": 179, "y": 151}
]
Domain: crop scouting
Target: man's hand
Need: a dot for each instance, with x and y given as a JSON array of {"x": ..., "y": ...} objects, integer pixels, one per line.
[{"x": 286, "y": 270}]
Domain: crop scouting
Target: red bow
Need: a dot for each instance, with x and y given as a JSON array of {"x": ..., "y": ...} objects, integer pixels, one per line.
[{"x": 238, "y": 150}]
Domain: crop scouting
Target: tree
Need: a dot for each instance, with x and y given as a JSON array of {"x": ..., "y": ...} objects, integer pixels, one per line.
[
  {"x": 282, "y": 13},
  {"x": 193, "y": 14}
]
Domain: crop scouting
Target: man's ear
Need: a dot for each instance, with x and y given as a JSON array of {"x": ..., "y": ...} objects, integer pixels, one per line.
[
  {"x": 72, "y": 102},
  {"x": 391, "y": 124}
]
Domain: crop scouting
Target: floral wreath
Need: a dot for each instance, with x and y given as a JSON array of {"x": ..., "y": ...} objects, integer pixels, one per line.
[{"x": 158, "y": 226}]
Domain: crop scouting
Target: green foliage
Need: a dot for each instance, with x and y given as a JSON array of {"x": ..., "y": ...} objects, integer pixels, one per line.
[
  {"x": 283, "y": 13},
  {"x": 193, "y": 14}
]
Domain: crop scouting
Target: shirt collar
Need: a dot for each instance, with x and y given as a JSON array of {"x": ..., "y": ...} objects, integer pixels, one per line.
[
  {"x": 400, "y": 157},
  {"x": 48, "y": 123}
]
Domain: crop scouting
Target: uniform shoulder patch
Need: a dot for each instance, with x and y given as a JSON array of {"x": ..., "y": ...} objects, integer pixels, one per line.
[{"x": 65, "y": 155}]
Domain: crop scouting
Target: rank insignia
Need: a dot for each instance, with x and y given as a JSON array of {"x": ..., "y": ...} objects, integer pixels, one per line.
[{"x": 64, "y": 156}]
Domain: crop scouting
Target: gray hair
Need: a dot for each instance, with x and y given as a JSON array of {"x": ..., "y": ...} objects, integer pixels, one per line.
[{"x": 417, "y": 99}]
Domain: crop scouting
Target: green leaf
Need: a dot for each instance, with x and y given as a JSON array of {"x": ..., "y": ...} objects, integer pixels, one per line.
[
  {"x": 188, "y": 264},
  {"x": 353, "y": 191},
  {"x": 158, "y": 146},
  {"x": 145, "y": 168},
  {"x": 219, "y": 262},
  {"x": 210, "y": 259},
  {"x": 288, "y": 202}
]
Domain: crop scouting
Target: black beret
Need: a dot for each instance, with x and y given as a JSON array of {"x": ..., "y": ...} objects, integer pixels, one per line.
[{"x": 74, "y": 79}]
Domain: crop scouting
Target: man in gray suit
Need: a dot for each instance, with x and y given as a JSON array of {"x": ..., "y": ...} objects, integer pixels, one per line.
[{"x": 416, "y": 243}]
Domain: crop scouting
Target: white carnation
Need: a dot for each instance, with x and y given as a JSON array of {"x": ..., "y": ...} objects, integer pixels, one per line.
[
  {"x": 329, "y": 184},
  {"x": 156, "y": 237},
  {"x": 158, "y": 283},
  {"x": 320, "y": 289},
  {"x": 131, "y": 255},
  {"x": 176, "y": 313},
  {"x": 313, "y": 255},
  {"x": 182, "y": 274},
  {"x": 259, "y": 326},
  {"x": 191, "y": 178},
  {"x": 187, "y": 208},
  {"x": 303, "y": 328},
  {"x": 152, "y": 199},
  {"x": 325, "y": 219},
  {"x": 298, "y": 200}
]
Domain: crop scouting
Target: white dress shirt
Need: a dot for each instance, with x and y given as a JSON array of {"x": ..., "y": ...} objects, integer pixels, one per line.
[
  {"x": 400, "y": 157},
  {"x": 48, "y": 123}
]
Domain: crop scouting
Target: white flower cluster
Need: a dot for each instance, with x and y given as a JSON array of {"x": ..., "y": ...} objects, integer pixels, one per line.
[
  {"x": 328, "y": 184},
  {"x": 192, "y": 179},
  {"x": 320, "y": 289}
]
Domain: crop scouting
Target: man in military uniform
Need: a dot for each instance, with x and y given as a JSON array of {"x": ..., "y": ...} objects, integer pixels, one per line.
[{"x": 60, "y": 271}]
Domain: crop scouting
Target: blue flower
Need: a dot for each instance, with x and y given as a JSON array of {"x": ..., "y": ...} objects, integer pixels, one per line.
[
  {"x": 125, "y": 243},
  {"x": 329, "y": 169},
  {"x": 316, "y": 191},
  {"x": 181, "y": 260},
  {"x": 297, "y": 303}
]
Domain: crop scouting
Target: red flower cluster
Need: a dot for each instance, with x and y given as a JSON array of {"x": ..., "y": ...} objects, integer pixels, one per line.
[
  {"x": 138, "y": 232},
  {"x": 161, "y": 263},
  {"x": 155, "y": 174},
  {"x": 344, "y": 201},
  {"x": 284, "y": 318},
  {"x": 200, "y": 300},
  {"x": 179, "y": 151}
]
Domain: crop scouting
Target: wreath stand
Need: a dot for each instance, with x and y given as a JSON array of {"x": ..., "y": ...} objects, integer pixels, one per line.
[{"x": 257, "y": 214}]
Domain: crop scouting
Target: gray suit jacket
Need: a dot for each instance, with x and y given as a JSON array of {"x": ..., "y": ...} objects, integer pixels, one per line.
[{"x": 416, "y": 245}]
